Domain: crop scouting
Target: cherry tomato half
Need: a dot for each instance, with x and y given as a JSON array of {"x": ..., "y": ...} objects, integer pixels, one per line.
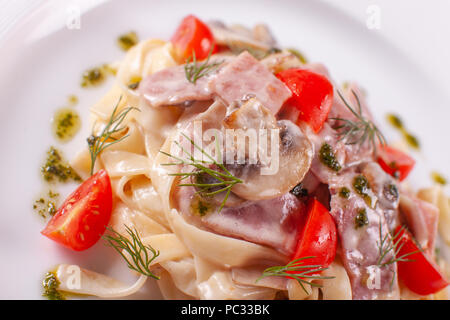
[
  {"x": 192, "y": 35},
  {"x": 395, "y": 162},
  {"x": 312, "y": 95},
  {"x": 84, "y": 215},
  {"x": 317, "y": 237},
  {"x": 420, "y": 274}
]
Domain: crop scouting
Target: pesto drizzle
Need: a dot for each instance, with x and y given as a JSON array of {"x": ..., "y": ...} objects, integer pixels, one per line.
[
  {"x": 397, "y": 123},
  {"x": 438, "y": 178},
  {"x": 362, "y": 187},
  {"x": 66, "y": 124},
  {"x": 95, "y": 76},
  {"x": 47, "y": 205},
  {"x": 50, "y": 285},
  {"x": 361, "y": 219},
  {"x": 344, "y": 193},
  {"x": 128, "y": 40},
  {"x": 56, "y": 168},
  {"x": 328, "y": 157}
]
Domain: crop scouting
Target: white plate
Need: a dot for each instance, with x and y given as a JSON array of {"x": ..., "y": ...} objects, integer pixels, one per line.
[{"x": 41, "y": 62}]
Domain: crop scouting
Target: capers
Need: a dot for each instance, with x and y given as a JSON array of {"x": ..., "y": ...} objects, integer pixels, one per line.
[{"x": 328, "y": 157}]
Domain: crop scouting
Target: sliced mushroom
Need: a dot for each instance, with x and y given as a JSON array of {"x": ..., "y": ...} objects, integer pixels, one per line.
[
  {"x": 261, "y": 32},
  {"x": 237, "y": 40},
  {"x": 294, "y": 154},
  {"x": 218, "y": 199},
  {"x": 252, "y": 114},
  {"x": 281, "y": 61}
]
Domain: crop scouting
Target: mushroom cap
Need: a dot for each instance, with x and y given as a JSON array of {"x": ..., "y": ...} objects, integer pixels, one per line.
[{"x": 283, "y": 159}]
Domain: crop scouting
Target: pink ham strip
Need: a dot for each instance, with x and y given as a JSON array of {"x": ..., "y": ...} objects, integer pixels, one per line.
[
  {"x": 360, "y": 246},
  {"x": 271, "y": 222},
  {"x": 422, "y": 219},
  {"x": 170, "y": 87},
  {"x": 246, "y": 75},
  {"x": 232, "y": 81}
]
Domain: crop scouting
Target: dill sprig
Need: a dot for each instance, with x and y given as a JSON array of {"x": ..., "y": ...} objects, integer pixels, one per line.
[
  {"x": 298, "y": 271},
  {"x": 194, "y": 70},
  {"x": 223, "y": 180},
  {"x": 391, "y": 243},
  {"x": 98, "y": 143},
  {"x": 140, "y": 258},
  {"x": 359, "y": 131}
]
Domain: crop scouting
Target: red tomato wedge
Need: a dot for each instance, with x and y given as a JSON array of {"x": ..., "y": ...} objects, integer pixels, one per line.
[
  {"x": 317, "y": 237},
  {"x": 84, "y": 215},
  {"x": 312, "y": 96},
  {"x": 192, "y": 35},
  {"x": 395, "y": 162},
  {"x": 421, "y": 275}
]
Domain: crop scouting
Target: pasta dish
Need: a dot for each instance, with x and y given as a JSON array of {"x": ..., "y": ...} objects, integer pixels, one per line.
[{"x": 224, "y": 167}]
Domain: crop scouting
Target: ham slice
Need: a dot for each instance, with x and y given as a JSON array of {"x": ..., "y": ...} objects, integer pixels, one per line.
[
  {"x": 386, "y": 191},
  {"x": 271, "y": 222},
  {"x": 170, "y": 87},
  {"x": 348, "y": 155},
  {"x": 422, "y": 219},
  {"x": 361, "y": 245},
  {"x": 247, "y": 76}
]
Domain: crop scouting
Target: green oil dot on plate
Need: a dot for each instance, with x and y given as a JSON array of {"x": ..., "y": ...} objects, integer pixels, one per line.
[
  {"x": 65, "y": 124},
  {"x": 438, "y": 178},
  {"x": 394, "y": 121}
]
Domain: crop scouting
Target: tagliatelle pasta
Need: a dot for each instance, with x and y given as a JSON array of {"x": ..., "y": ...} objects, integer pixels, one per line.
[{"x": 207, "y": 218}]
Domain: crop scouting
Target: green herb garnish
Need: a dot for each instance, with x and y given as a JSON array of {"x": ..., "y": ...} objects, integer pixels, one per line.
[
  {"x": 298, "y": 271},
  {"x": 361, "y": 130},
  {"x": 140, "y": 255},
  {"x": 209, "y": 177},
  {"x": 99, "y": 143},
  {"x": 391, "y": 243},
  {"x": 195, "y": 70}
]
